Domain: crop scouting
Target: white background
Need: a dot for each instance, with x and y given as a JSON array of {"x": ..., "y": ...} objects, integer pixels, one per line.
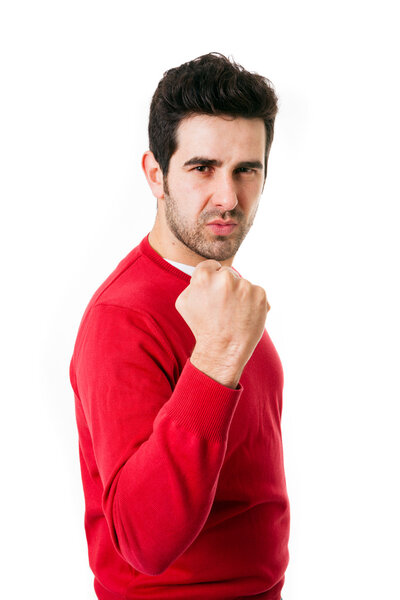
[{"x": 77, "y": 80}]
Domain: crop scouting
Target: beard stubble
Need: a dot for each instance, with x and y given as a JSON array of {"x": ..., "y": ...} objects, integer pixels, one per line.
[{"x": 198, "y": 238}]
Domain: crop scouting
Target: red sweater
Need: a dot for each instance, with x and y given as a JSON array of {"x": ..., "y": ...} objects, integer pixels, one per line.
[{"x": 183, "y": 477}]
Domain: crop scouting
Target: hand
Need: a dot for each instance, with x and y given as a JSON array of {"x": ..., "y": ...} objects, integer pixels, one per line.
[{"x": 227, "y": 317}]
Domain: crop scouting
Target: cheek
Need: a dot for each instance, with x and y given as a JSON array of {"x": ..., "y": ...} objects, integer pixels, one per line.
[
  {"x": 194, "y": 187},
  {"x": 189, "y": 187},
  {"x": 193, "y": 197},
  {"x": 252, "y": 209}
]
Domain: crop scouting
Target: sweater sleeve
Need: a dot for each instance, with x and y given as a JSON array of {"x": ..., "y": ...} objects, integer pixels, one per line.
[{"x": 159, "y": 445}]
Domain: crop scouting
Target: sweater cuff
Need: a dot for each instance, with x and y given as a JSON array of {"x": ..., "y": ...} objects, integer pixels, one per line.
[{"x": 203, "y": 405}]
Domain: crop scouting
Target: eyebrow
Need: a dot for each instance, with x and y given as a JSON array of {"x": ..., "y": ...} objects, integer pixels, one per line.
[{"x": 212, "y": 162}]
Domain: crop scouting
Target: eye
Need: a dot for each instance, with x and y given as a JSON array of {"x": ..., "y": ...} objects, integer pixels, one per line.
[
  {"x": 245, "y": 170},
  {"x": 201, "y": 167}
]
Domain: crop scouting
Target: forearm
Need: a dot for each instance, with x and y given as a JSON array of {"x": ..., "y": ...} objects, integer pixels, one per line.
[
  {"x": 163, "y": 496},
  {"x": 158, "y": 502}
]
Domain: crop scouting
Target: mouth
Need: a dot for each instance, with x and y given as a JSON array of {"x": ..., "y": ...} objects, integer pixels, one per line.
[{"x": 222, "y": 227}]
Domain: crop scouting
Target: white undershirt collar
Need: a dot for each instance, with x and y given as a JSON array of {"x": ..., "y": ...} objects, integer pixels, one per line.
[{"x": 185, "y": 268}]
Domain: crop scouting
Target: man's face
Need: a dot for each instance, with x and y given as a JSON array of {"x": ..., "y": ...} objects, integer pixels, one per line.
[{"x": 214, "y": 183}]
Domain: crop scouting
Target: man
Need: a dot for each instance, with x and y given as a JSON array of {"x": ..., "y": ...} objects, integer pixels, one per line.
[{"x": 178, "y": 387}]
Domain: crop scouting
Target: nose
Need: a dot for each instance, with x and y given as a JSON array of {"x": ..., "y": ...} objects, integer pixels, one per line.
[{"x": 225, "y": 196}]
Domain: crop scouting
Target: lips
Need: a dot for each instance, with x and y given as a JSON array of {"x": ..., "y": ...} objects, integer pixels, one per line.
[
  {"x": 220, "y": 227},
  {"x": 221, "y": 222}
]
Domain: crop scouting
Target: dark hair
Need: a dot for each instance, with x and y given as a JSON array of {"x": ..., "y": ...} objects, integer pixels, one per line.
[{"x": 213, "y": 85}]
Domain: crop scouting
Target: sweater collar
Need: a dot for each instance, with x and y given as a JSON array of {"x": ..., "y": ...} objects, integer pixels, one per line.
[{"x": 160, "y": 261}]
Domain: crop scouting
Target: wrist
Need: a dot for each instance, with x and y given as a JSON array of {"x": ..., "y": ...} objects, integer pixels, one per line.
[{"x": 217, "y": 368}]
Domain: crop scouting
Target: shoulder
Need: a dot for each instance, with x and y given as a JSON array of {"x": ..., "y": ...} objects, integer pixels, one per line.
[
  {"x": 137, "y": 300},
  {"x": 143, "y": 280}
]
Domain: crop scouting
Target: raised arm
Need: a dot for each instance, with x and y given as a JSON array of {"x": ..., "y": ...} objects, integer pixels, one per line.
[
  {"x": 159, "y": 439},
  {"x": 159, "y": 447}
]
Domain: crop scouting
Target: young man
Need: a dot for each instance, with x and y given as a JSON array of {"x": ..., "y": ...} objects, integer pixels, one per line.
[{"x": 178, "y": 387}]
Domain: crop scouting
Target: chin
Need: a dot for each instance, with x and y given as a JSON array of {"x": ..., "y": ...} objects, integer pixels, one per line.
[{"x": 218, "y": 254}]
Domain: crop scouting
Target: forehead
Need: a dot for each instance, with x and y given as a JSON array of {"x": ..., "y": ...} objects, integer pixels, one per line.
[{"x": 209, "y": 134}]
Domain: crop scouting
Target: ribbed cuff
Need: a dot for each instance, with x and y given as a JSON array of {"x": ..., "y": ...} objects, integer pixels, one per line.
[{"x": 201, "y": 404}]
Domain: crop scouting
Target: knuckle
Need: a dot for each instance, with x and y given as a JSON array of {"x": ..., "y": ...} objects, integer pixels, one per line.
[
  {"x": 225, "y": 272},
  {"x": 200, "y": 275},
  {"x": 206, "y": 265},
  {"x": 260, "y": 292},
  {"x": 263, "y": 295},
  {"x": 245, "y": 285}
]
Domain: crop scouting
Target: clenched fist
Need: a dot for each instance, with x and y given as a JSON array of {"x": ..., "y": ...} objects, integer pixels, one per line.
[{"x": 227, "y": 317}]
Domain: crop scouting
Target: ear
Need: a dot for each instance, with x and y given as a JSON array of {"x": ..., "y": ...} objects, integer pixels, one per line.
[{"x": 153, "y": 174}]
